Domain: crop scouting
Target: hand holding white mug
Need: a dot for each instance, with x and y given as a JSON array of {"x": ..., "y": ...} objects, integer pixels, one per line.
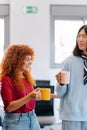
[
  {"x": 58, "y": 77},
  {"x": 63, "y": 77}
]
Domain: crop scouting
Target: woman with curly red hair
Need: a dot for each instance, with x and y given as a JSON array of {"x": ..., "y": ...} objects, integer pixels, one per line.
[{"x": 17, "y": 91}]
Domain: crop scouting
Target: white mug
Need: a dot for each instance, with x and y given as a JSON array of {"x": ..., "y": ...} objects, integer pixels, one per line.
[{"x": 65, "y": 77}]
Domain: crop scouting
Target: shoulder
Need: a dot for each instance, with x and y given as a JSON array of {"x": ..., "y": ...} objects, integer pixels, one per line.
[
  {"x": 71, "y": 61},
  {"x": 5, "y": 78},
  {"x": 72, "y": 58},
  {"x": 6, "y": 82}
]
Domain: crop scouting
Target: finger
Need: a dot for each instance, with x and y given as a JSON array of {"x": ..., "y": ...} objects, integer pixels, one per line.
[
  {"x": 37, "y": 89},
  {"x": 56, "y": 75},
  {"x": 60, "y": 73}
]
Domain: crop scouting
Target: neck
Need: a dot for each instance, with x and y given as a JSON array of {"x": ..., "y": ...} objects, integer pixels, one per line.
[
  {"x": 21, "y": 74},
  {"x": 85, "y": 53}
]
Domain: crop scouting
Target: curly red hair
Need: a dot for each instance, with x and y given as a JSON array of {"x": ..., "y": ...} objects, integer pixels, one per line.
[{"x": 13, "y": 60}]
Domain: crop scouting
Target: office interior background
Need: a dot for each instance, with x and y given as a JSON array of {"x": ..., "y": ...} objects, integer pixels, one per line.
[{"x": 31, "y": 22}]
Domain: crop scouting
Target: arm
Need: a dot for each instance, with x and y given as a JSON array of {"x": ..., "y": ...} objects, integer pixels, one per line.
[
  {"x": 7, "y": 96},
  {"x": 14, "y": 105},
  {"x": 61, "y": 89},
  {"x": 54, "y": 95}
]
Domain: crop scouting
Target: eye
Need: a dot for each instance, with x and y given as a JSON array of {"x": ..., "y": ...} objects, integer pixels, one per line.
[
  {"x": 82, "y": 35},
  {"x": 28, "y": 58}
]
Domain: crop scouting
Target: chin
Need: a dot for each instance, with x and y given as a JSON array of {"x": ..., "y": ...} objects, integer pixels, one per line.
[{"x": 82, "y": 49}]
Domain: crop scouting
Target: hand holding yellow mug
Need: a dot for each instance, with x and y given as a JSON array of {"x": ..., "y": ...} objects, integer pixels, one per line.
[{"x": 45, "y": 93}]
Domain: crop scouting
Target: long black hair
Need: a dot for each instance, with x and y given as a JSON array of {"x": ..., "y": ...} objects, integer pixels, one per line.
[{"x": 77, "y": 51}]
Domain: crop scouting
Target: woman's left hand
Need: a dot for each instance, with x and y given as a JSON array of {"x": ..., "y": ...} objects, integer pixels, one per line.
[{"x": 52, "y": 95}]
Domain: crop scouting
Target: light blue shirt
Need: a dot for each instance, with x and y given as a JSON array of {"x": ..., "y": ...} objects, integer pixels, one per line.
[{"x": 73, "y": 102}]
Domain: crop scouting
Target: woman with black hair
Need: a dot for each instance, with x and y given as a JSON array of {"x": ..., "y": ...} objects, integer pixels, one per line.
[{"x": 73, "y": 96}]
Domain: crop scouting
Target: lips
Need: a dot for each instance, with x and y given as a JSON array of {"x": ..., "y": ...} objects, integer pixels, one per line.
[
  {"x": 28, "y": 66},
  {"x": 81, "y": 45}
]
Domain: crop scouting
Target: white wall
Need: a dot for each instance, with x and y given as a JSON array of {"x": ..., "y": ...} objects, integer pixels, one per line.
[
  {"x": 34, "y": 29},
  {"x": 4, "y": 1}
]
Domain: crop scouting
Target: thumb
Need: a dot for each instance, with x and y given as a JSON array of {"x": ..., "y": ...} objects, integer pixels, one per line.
[{"x": 37, "y": 89}]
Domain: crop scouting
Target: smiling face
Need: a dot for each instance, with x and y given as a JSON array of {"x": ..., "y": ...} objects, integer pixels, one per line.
[
  {"x": 82, "y": 41},
  {"x": 27, "y": 63}
]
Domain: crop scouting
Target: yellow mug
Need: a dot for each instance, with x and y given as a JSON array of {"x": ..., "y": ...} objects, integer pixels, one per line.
[{"x": 45, "y": 93}]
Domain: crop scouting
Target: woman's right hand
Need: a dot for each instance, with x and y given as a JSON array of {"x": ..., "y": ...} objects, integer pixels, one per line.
[
  {"x": 35, "y": 94},
  {"x": 58, "y": 78}
]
